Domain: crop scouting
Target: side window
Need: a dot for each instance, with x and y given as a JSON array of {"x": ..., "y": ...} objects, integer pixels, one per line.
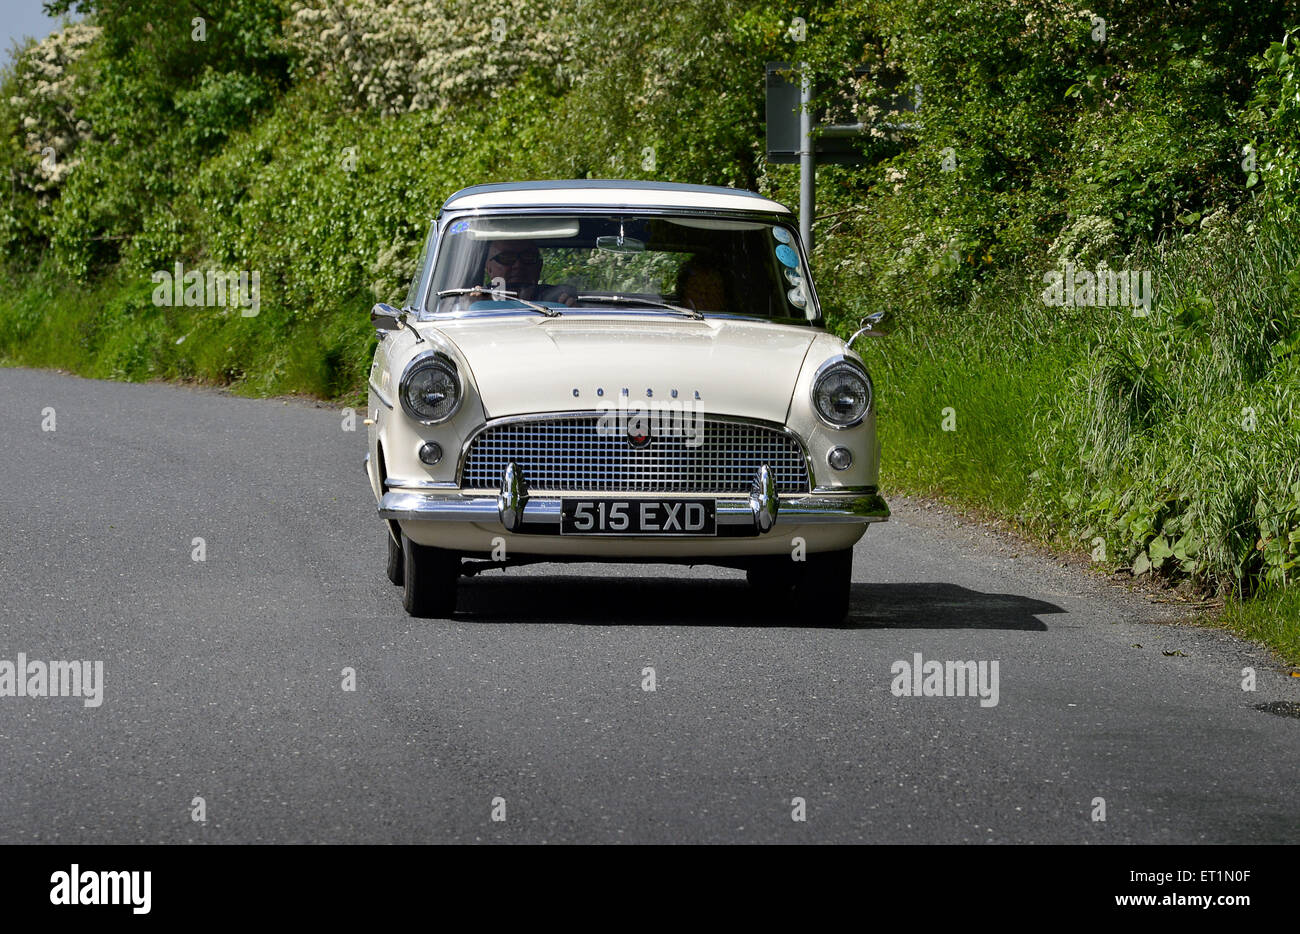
[{"x": 421, "y": 267}]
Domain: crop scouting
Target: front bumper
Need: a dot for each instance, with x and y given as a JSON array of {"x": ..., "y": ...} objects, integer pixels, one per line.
[{"x": 540, "y": 514}]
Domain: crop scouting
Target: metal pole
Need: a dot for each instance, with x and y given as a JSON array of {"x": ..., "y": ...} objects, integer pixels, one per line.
[{"x": 807, "y": 163}]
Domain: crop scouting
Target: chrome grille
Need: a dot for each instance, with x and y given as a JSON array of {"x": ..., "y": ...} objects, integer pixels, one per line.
[{"x": 569, "y": 452}]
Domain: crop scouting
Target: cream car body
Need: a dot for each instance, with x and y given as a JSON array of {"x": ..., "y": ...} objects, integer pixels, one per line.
[{"x": 573, "y": 389}]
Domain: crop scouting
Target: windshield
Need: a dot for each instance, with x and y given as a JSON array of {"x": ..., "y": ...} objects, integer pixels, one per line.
[{"x": 620, "y": 263}]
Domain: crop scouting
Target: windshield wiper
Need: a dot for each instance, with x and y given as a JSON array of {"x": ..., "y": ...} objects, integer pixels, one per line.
[
  {"x": 621, "y": 300},
  {"x": 498, "y": 294}
]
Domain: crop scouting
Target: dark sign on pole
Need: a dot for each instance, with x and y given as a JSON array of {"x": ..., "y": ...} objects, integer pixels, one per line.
[
  {"x": 837, "y": 144},
  {"x": 782, "y": 113},
  {"x": 796, "y": 135},
  {"x": 830, "y": 144}
]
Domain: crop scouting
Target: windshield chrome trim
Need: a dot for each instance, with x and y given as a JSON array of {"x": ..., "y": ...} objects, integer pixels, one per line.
[
  {"x": 524, "y": 188},
  {"x": 559, "y": 209},
  {"x": 444, "y": 218},
  {"x": 568, "y": 313},
  {"x": 650, "y": 312}
]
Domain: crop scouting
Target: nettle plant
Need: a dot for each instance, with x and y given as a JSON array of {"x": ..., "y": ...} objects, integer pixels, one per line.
[
  {"x": 1279, "y": 536},
  {"x": 1147, "y": 533}
]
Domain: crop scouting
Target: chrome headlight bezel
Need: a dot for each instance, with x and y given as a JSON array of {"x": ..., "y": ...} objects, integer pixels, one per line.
[
  {"x": 430, "y": 359},
  {"x": 829, "y": 368}
]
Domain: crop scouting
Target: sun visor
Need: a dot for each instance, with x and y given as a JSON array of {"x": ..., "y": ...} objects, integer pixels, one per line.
[{"x": 521, "y": 228}]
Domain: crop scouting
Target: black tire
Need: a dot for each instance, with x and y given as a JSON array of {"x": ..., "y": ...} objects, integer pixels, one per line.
[
  {"x": 430, "y": 577},
  {"x": 396, "y": 560},
  {"x": 821, "y": 592},
  {"x": 771, "y": 578}
]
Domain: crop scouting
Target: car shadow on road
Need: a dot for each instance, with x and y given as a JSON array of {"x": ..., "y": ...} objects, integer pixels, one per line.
[
  {"x": 596, "y": 600},
  {"x": 944, "y": 606}
]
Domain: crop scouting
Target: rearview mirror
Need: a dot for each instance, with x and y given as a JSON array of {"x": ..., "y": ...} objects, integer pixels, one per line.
[{"x": 620, "y": 244}]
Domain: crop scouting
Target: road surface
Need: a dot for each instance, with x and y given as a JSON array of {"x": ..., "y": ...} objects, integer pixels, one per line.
[{"x": 223, "y": 678}]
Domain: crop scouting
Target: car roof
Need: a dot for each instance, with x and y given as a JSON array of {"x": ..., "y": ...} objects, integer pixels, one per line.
[{"x": 609, "y": 192}]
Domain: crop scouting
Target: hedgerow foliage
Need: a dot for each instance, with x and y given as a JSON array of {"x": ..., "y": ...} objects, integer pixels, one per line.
[{"x": 408, "y": 55}]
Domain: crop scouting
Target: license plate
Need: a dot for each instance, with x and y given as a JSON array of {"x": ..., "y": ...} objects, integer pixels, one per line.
[{"x": 638, "y": 517}]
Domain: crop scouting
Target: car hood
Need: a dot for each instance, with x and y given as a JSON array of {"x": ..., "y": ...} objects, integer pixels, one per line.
[{"x": 524, "y": 364}]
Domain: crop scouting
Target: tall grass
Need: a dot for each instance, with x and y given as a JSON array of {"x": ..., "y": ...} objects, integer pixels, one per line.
[
  {"x": 1167, "y": 444},
  {"x": 1269, "y": 617},
  {"x": 961, "y": 395},
  {"x": 111, "y": 329}
]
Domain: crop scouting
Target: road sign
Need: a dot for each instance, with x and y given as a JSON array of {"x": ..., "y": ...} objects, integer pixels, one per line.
[
  {"x": 797, "y": 135},
  {"x": 836, "y": 145}
]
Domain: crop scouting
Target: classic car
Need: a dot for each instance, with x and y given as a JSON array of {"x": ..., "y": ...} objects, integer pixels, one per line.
[{"x": 619, "y": 371}]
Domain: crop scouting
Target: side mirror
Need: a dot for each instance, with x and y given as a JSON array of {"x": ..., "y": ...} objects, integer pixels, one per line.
[
  {"x": 868, "y": 327},
  {"x": 385, "y": 318}
]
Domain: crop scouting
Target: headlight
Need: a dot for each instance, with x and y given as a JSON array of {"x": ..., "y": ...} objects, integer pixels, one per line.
[
  {"x": 430, "y": 388},
  {"x": 841, "y": 392}
]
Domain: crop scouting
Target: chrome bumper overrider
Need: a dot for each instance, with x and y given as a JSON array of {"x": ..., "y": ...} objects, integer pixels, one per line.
[{"x": 517, "y": 511}]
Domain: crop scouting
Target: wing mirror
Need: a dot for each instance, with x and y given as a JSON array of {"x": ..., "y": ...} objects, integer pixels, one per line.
[
  {"x": 868, "y": 327},
  {"x": 385, "y": 318}
]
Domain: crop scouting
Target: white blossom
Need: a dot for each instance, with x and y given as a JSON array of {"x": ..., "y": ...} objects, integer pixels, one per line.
[
  {"x": 50, "y": 94},
  {"x": 409, "y": 55}
]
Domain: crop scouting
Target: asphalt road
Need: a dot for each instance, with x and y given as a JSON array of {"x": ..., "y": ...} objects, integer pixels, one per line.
[{"x": 223, "y": 678}]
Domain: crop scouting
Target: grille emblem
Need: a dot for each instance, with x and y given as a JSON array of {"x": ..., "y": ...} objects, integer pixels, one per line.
[{"x": 638, "y": 433}]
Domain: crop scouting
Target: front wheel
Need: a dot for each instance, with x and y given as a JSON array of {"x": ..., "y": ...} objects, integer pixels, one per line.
[
  {"x": 430, "y": 579},
  {"x": 821, "y": 589},
  {"x": 770, "y": 580}
]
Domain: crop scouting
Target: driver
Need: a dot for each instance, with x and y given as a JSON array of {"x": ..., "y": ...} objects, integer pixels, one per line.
[
  {"x": 519, "y": 263},
  {"x": 701, "y": 285}
]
